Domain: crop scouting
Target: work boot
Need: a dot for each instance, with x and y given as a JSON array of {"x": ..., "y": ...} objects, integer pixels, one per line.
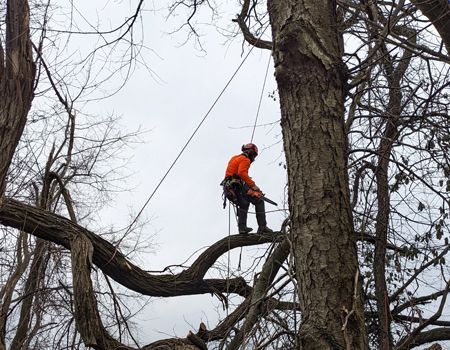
[
  {"x": 263, "y": 229},
  {"x": 244, "y": 230}
]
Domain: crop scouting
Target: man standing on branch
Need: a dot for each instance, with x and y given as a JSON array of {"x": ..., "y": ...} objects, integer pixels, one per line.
[{"x": 240, "y": 189}]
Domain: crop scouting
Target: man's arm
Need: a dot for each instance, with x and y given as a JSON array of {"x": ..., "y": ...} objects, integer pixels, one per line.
[{"x": 243, "y": 167}]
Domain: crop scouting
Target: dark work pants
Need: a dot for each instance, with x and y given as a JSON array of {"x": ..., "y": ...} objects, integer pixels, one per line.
[{"x": 243, "y": 203}]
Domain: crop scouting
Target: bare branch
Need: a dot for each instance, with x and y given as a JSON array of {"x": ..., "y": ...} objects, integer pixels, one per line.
[
  {"x": 435, "y": 334},
  {"x": 62, "y": 231},
  {"x": 248, "y": 36},
  {"x": 438, "y": 12},
  {"x": 265, "y": 278}
]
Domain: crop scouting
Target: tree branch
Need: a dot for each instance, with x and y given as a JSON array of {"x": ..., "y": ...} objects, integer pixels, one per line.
[
  {"x": 438, "y": 12},
  {"x": 111, "y": 261},
  {"x": 265, "y": 278},
  {"x": 416, "y": 301},
  {"x": 248, "y": 36},
  {"x": 435, "y": 334},
  {"x": 405, "y": 343}
]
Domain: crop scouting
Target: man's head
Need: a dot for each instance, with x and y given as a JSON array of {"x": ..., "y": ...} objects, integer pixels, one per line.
[{"x": 250, "y": 150}]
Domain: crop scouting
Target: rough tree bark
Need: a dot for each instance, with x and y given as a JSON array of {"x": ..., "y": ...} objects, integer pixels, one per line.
[
  {"x": 17, "y": 72},
  {"x": 311, "y": 77},
  {"x": 265, "y": 278},
  {"x": 394, "y": 77},
  {"x": 111, "y": 261}
]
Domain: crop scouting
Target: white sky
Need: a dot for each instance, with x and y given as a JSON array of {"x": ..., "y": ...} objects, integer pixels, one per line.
[{"x": 186, "y": 213}]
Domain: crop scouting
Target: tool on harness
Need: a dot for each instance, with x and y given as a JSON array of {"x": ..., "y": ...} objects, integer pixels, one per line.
[
  {"x": 260, "y": 195},
  {"x": 231, "y": 186}
]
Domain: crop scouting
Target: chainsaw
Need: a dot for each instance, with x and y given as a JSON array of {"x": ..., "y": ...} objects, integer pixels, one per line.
[{"x": 260, "y": 195}]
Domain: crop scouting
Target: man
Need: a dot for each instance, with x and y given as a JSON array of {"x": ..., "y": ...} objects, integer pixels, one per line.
[{"x": 244, "y": 190}]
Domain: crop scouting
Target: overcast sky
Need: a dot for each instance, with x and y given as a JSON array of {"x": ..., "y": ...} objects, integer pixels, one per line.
[
  {"x": 172, "y": 85},
  {"x": 186, "y": 213}
]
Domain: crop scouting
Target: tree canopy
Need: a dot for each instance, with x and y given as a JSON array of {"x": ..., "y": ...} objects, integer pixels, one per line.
[{"x": 360, "y": 262}]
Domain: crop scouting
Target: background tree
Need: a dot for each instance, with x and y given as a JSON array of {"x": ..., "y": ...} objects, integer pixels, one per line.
[{"x": 363, "y": 90}]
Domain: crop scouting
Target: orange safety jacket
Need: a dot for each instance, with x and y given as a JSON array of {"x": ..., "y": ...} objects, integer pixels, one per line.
[{"x": 239, "y": 165}]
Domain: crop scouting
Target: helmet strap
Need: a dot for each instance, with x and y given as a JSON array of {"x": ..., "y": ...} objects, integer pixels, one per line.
[{"x": 250, "y": 155}]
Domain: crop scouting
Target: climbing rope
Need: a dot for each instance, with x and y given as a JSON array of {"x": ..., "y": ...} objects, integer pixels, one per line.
[
  {"x": 251, "y": 139},
  {"x": 260, "y": 98},
  {"x": 229, "y": 254},
  {"x": 130, "y": 226}
]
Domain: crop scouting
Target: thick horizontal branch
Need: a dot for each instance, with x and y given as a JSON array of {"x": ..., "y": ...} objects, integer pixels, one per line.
[
  {"x": 111, "y": 261},
  {"x": 372, "y": 239},
  {"x": 433, "y": 335},
  {"x": 421, "y": 320},
  {"x": 201, "y": 265}
]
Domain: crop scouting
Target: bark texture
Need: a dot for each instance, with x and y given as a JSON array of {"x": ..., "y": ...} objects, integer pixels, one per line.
[
  {"x": 87, "y": 317},
  {"x": 111, "y": 261},
  {"x": 257, "y": 300},
  {"x": 310, "y": 78},
  {"x": 390, "y": 135},
  {"x": 17, "y": 72}
]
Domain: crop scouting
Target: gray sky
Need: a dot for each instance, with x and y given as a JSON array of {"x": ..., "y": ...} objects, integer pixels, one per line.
[{"x": 186, "y": 213}]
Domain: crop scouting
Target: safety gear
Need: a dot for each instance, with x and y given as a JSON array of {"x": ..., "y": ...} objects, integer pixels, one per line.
[
  {"x": 238, "y": 166},
  {"x": 250, "y": 147},
  {"x": 250, "y": 151},
  {"x": 231, "y": 186},
  {"x": 244, "y": 230},
  {"x": 264, "y": 229},
  {"x": 236, "y": 185}
]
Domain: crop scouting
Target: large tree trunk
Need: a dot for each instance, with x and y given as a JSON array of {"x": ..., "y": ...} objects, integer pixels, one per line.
[
  {"x": 310, "y": 77},
  {"x": 16, "y": 82}
]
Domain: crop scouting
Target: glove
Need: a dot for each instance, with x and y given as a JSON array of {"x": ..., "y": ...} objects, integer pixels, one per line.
[
  {"x": 256, "y": 188},
  {"x": 255, "y": 193}
]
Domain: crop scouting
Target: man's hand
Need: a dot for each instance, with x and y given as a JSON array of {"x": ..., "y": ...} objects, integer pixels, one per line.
[{"x": 255, "y": 192}]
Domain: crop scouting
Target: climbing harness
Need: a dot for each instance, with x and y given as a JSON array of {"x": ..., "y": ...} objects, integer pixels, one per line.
[{"x": 231, "y": 186}]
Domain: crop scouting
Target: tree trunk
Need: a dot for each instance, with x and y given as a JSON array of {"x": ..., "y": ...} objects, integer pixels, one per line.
[
  {"x": 16, "y": 82},
  {"x": 310, "y": 76}
]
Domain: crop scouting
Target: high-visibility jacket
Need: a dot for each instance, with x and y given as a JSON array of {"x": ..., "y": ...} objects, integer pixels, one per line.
[{"x": 239, "y": 165}]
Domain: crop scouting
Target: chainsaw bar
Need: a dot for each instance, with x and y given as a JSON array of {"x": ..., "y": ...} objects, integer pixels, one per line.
[{"x": 265, "y": 199}]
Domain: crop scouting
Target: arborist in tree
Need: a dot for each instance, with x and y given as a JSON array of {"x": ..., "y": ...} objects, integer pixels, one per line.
[{"x": 240, "y": 189}]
